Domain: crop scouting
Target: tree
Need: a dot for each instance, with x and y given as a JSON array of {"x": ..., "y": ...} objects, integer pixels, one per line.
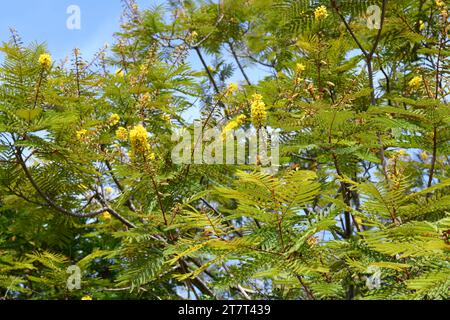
[{"x": 357, "y": 210}]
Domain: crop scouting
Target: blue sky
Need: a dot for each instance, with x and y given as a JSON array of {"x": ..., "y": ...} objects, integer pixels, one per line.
[{"x": 45, "y": 21}]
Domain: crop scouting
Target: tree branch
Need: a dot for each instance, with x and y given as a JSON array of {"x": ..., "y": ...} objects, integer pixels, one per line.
[
  {"x": 238, "y": 62},
  {"x": 51, "y": 203}
]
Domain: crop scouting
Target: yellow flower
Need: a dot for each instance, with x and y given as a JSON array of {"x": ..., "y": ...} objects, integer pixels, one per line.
[
  {"x": 298, "y": 80},
  {"x": 241, "y": 119},
  {"x": 86, "y": 298},
  {"x": 300, "y": 68},
  {"x": 424, "y": 156},
  {"x": 106, "y": 216},
  {"x": 114, "y": 119},
  {"x": 81, "y": 134},
  {"x": 312, "y": 241},
  {"x": 138, "y": 135},
  {"x": 144, "y": 100},
  {"x": 232, "y": 125},
  {"x": 415, "y": 83},
  {"x": 232, "y": 88},
  {"x": 109, "y": 190},
  {"x": 45, "y": 60},
  {"x": 139, "y": 141},
  {"x": 119, "y": 73},
  {"x": 421, "y": 25},
  {"x": 229, "y": 127},
  {"x": 257, "y": 97},
  {"x": 167, "y": 118},
  {"x": 143, "y": 69},
  {"x": 259, "y": 113},
  {"x": 321, "y": 13},
  {"x": 440, "y": 3},
  {"x": 122, "y": 134},
  {"x": 358, "y": 220},
  {"x": 402, "y": 153}
]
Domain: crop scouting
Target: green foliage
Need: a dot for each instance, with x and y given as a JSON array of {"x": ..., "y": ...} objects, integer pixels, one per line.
[{"x": 359, "y": 207}]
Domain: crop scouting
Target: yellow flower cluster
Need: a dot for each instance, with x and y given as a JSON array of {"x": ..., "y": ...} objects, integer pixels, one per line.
[
  {"x": 233, "y": 125},
  {"x": 415, "y": 83},
  {"x": 192, "y": 37},
  {"x": 122, "y": 134},
  {"x": 143, "y": 70},
  {"x": 232, "y": 88},
  {"x": 321, "y": 13},
  {"x": 82, "y": 134},
  {"x": 440, "y": 4},
  {"x": 109, "y": 190},
  {"x": 86, "y": 298},
  {"x": 424, "y": 156},
  {"x": 45, "y": 60},
  {"x": 114, "y": 119},
  {"x": 395, "y": 169},
  {"x": 259, "y": 112},
  {"x": 106, "y": 216},
  {"x": 151, "y": 156},
  {"x": 139, "y": 138},
  {"x": 358, "y": 220},
  {"x": 312, "y": 241},
  {"x": 443, "y": 7},
  {"x": 167, "y": 118},
  {"x": 241, "y": 119},
  {"x": 229, "y": 127},
  {"x": 144, "y": 100},
  {"x": 401, "y": 153},
  {"x": 300, "y": 68},
  {"x": 139, "y": 143},
  {"x": 421, "y": 25},
  {"x": 119, "y": 73}
]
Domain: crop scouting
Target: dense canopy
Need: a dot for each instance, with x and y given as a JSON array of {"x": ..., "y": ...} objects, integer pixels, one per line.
[{"x": 357, "y": 207}]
